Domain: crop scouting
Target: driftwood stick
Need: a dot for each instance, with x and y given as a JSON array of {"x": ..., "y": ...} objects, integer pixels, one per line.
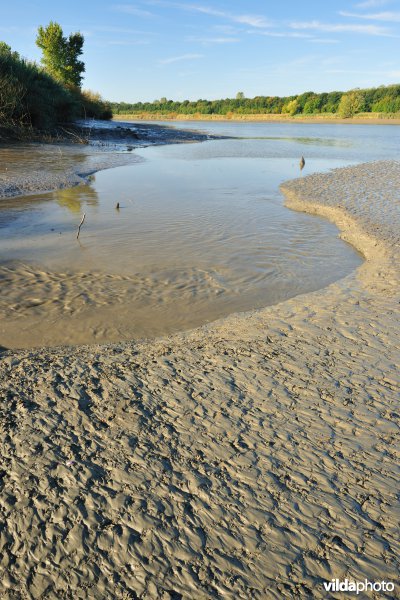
[
  {"x": 81, "y": 139},
  {"x": 80, "y": 225}
]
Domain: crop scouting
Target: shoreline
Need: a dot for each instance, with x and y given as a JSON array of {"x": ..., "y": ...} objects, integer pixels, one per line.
[
  {"x": 260, "y": 118},
  {"x": 252, "y": 457},
  {"x": 105, "y": 148}
]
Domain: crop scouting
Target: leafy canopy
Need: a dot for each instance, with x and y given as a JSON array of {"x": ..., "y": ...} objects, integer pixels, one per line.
[{"x": 61, "y": 54}]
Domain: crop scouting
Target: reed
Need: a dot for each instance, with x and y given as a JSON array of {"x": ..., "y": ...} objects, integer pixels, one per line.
[{"x": 31, "y": 98}]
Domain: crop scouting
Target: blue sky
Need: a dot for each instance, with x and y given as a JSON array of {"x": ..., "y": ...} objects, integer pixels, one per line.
[{"x": 148, "y": 49}]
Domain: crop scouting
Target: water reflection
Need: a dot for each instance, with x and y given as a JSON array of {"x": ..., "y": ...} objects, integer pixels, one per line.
[
  {"x": 307, "y": 141},
  {"x": 75, "y": 198}
]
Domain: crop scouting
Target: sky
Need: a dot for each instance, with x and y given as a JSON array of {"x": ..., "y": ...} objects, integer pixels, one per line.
[{"x": 149, "y": 49}]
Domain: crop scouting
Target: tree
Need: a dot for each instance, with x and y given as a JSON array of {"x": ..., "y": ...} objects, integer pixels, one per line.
[
  {"x": 61, "y": 54},
  {"x": 6, "y": 51},
  {"x": 240, "y": 96},
  {"x": 350, "y": 104},
  {"x": 291, "y": 107}
]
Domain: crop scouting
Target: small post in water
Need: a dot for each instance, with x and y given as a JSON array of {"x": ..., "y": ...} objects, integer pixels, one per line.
[{"x": 80, "y": 225}]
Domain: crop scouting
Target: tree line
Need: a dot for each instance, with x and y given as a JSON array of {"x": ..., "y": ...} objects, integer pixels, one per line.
[
  {"x": 43, "y": 96},
  {"x": 384, "y": 99}
]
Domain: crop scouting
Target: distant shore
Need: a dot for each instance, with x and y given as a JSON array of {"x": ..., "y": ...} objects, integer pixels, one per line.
[{"x": 362, "y": 119}]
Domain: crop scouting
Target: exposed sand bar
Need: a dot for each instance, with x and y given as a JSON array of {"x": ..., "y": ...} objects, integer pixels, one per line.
[
  {"x": 253, "y": 458},
  {"x": 30, "y": 168}
]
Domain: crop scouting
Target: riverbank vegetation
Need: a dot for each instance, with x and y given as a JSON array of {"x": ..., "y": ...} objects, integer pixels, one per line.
[
  {"x": 39, "y": 98},
  {"x": 383, "y": 100}
]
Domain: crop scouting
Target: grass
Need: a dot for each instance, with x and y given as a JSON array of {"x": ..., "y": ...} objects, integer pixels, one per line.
[{"x": 318, "y": 117}]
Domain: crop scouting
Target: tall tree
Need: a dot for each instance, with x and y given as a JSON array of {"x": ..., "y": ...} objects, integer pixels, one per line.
[{"x": 61, "y": 54}]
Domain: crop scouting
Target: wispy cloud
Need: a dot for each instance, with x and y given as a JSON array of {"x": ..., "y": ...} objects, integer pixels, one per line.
[
  {"x": 130, "y": 9},
  {"x": 246, "y": 19},
  {"x": 209, "y": 41},
  {"x": 308, "y": 37},
  {"x": 323, "y": 41},
  {"x": 356, "y": 72},
  {"x": 381, "y": 16},
  {"x": 372, "y": 3},
  {"x": 252, "y": 20},
  {"x": 341, "y": 28},
  {"x": 127, "y": 43},
  {"x": 122, "y": 30},
  {"x": 226, "y": 29},
  {"x": 283, "y": 34},
  {"x": 174, "y": 59},
  {"x": 18, "y": 29}
]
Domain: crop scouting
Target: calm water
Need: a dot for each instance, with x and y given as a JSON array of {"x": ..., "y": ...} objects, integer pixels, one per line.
[{"x": 201, "y": 232}]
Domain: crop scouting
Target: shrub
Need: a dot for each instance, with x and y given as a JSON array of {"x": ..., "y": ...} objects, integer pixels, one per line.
[
  {"x": 350, "y": 104},
  {"x": 92, "y": 105},
  {"x": 30, "y": 97}
]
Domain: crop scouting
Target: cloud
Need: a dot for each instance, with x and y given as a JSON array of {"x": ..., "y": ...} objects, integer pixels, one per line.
[
  {"x": 132, "y": 10},
  {"x": 17, "y": 29},
  {"x": 208, "y": 41},
  {"x": 252, "y": 20},
  {"x": 341, "y": 28},
  {"x": 372, "y": 3},
  {"x": 356, "y": 72},
  {"x": 226, "y": 29},
  {"x": 382, "y": 16},
  {"x": 257, "y": 21},
  {"x": 122, "y": 30},
  {"x": 323, "y": 41},
  {"x": 127, "y": 43},
  {"x": 168, "y": 61},
  {"x": 284, "y": 34}
]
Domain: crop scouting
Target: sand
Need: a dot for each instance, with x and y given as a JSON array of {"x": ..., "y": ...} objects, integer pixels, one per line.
[
  {"x": 30, "y": 168},
  {"x": 256, "y": 457},
  {"x": 364, "y": 119}
]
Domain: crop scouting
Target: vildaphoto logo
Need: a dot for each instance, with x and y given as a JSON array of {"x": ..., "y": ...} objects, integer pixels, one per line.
[{"x": 347, "y": 585}]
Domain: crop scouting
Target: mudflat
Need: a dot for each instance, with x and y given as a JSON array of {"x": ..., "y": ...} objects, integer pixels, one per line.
[{"x": 256, "y": 457}]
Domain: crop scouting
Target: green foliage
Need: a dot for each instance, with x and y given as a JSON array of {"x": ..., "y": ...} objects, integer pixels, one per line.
[
  {"x": 29, "y": 96},
  {"x": 313, "y": 104},
  {"x": 93, "y": 106},
  {"x": 385, "y": 99},
  {"x": 387, "y": 104},
  {"x": 291, "y": 107},
  {"x": 350, "y": 104},
  {"x": 61, "y": 54}
]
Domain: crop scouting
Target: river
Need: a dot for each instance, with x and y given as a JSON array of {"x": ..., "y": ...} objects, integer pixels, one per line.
[{"x": 179, "y": 236}]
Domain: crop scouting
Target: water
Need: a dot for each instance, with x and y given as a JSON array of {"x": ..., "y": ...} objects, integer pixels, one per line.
[{"x": 200, "y": 232}]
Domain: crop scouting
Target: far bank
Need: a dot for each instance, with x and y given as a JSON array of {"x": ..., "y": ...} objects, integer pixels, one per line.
[{"x": 361, "y": 119}]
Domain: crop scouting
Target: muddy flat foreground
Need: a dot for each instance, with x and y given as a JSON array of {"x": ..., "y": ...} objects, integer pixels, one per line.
[{"x": 254, "y": 458}]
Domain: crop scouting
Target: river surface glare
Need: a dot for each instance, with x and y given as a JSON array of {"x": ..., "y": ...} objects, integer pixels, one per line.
[{"x": 200, "y": 232}]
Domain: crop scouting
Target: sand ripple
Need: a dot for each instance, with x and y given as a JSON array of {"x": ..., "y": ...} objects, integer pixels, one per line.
[{"x": 254, "y": 458}]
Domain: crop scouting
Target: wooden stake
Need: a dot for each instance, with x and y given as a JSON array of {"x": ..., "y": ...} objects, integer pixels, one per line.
[{"x": 80, "y": 225}]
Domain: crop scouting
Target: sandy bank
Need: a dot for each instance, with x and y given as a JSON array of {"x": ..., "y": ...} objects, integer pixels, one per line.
[
  {"x": 366, "y": 119},
  {"x": 31, "y": 168},
  {"x": 253, "y": 458}
]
